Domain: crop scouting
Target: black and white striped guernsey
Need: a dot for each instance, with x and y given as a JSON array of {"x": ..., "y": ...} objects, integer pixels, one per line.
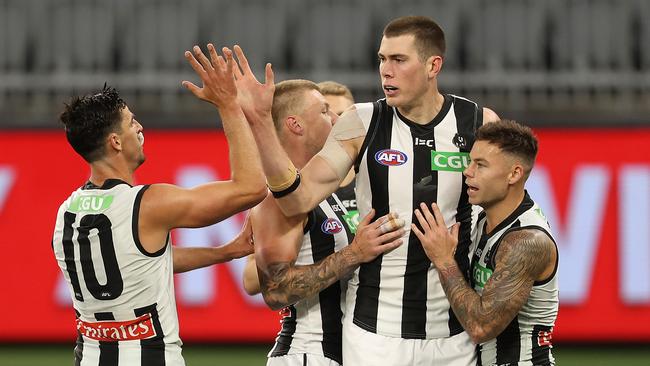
[
  {"x": 123, "y": 296},
  {"x": 314, "y": 325},
  {"x": 401, "y": 164},
  {"x": 527, "y": 339}
]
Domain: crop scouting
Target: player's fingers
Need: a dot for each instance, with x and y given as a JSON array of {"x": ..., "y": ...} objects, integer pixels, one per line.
[
  {"x": 214, "y": 57},
  {"x": 392, "y": 224},
  {"x": 193, "y": 88},
  {"x": 390, "y": 246},
  {"x": 195, "y": 64},
  {"x": 454, "y": 230},
  {"x": 426, "y": 226},
  {"x": 438, "y": 215},
  {"x": 366, "y": 219},
  {"x": 427, "y": 215},
  {"x": 269, "y": 76},
  {"x": 229, "y": 61},
  {"x": 200, "y": 56},
  {"x": 417, "y": 232},
  {"x": 391, "y": 235},
  {"x": 243, "y": 61}
]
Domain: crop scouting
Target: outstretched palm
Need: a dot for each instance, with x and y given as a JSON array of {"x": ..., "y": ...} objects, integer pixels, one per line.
[
  {"x": 216, "y": 74},
  {"x": 254, "y": 97}
]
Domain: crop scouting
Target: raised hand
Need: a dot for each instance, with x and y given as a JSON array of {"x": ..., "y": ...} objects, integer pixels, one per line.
[
  {"x": 216, "y": 74},
  {"x": 254, "y": 97},
  {"x": 439, "y": 243},
  {"x": 243, "y": 244},
  {"x": 381, "y": 236}
]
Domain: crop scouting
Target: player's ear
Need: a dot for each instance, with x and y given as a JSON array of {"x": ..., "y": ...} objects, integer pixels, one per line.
[
  {"x": 294, "y": 125},
  {"x": 114, "y": 141},
  {"x": 434, "y": 65},
  {"x": 517, "y": 174}
]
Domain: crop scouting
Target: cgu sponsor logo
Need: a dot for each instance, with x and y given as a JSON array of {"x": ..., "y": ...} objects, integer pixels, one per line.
[
  {"x": 449, "y": 161},
  {"x": 390, "y": 157},
  {"x": 331, "y": 226},
  {"x": 90, "y": 203},
  {"x": 110, "y": 331},
  {"x": 481, "y": 275}
]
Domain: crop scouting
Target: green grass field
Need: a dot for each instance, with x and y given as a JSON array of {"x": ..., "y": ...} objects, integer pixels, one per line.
[{"x": 240, "y": 355}]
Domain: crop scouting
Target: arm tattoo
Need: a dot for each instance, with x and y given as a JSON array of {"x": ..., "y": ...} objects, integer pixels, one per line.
[
  {"x": 284, "y": 283},
  {"x": 522, "y": 256}
]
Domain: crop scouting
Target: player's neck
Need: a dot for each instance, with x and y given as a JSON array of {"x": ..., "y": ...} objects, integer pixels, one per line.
[
  {"x": 500, "y": 210},
  {"x": 423, "y": 110},
  {"x": 102, "y": 170}
]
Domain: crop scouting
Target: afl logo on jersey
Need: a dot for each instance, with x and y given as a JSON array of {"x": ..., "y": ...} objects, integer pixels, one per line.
[
  {"x": 331, "y": 226},
  {"x": 390, "y": 157}
]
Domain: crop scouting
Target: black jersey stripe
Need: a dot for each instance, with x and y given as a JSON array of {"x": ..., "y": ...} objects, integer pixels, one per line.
[
  {"x": 153, "y": 349},
  {"x": 425, "y": 190},
  {"x": 108, "y": 351},
  {"x": 285, "y": 337},
  {"x": 541, "y": 345},
  {"x": 509, "y": 344},
  {"x": 322, "y": 245},
  {"x": 367, "y": 296}
]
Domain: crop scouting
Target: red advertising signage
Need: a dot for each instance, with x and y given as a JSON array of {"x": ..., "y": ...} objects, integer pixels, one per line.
[{"x": 593, "y": 185}]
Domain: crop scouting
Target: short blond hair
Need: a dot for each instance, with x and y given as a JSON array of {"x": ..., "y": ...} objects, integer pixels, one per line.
[
  {"x": 288, "y": 99},
  {"x": 336, "y": 89}
]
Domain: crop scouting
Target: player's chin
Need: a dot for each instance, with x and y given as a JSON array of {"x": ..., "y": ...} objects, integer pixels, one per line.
[
  {"x": 473, "y": 199},
  {"x": 392, "y": 101}
]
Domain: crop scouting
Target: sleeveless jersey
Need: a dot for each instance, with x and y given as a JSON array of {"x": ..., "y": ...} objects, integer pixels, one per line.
[
  {"x": 314, "y": 325},
  {"x": 527, "y": 339},
  {"x": 123, "y": 296},
  {"x": 401, "y": 164}
]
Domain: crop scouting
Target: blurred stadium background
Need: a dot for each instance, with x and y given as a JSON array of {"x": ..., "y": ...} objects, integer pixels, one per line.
[{"x": 578, "y": 71}]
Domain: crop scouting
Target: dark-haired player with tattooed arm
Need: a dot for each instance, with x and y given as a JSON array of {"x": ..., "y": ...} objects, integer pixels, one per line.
[
  {"x": 510, "y": 305},
  {"x": 112, "y": 239}
]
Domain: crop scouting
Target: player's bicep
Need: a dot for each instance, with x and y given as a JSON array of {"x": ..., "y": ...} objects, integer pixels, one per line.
[
  {"x": 277, "y": 238},
  {"x": 520, "y": 258}
]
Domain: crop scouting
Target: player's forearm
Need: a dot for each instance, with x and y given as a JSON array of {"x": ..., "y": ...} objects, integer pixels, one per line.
[
  {"x": 187, "y": 259},
  {"x": 476, "y": 318},
  {"x": 284, "y": 284},
  {"x": 278, "y": 168},
  {"x": 245, "y": 165}
]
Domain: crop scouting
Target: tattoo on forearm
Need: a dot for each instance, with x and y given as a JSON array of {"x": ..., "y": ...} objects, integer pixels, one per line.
[
  {"x": 522, "y": 256},
  {"x": 284, "y": 283}
]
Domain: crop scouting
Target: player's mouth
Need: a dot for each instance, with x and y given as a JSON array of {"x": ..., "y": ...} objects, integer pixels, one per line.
[
  {"x": 390, "y": 90},
  {"x": 141, "y": 138},
  {"x": 471, "y": 189}
]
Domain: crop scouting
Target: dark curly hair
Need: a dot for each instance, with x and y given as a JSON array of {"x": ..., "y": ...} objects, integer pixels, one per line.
[
  {"x": 89, "y": 119},
  {"x": 512, "y": 138}
]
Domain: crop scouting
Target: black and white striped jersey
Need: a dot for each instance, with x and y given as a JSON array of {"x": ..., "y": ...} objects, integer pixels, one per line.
[
  {"x": 123, "y": 296},
  {"x": 527, "y": 339},
  {"x": 314, "y": 325},
  {"x": 401, "y": 164}
]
